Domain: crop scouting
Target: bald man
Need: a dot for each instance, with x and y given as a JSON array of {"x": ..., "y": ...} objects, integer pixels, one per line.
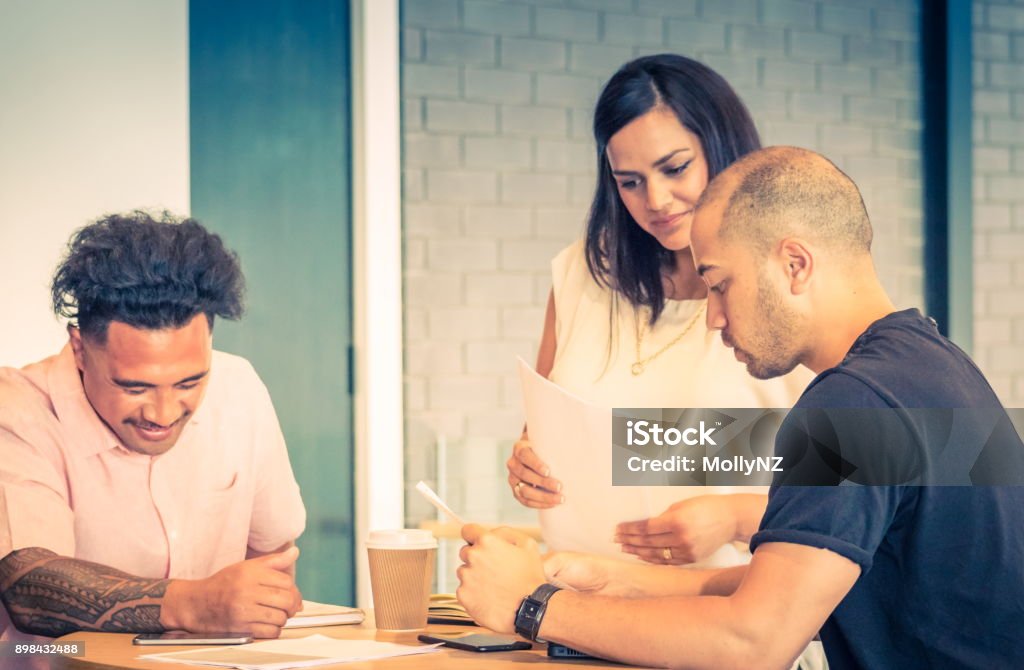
[{"x": 891, "y": 574}]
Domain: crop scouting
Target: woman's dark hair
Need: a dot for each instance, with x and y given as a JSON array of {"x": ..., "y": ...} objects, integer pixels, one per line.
[
  {"x": 148, "y": 273},
  {"x": 620, "y": 254}
]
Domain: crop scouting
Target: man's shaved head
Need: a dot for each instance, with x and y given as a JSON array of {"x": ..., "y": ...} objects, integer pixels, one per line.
[
  {"x": 781, "y": 192},
  {"x": 783, "y": 242}
]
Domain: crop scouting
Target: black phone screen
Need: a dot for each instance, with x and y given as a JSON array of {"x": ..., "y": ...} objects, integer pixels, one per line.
[{"x": 477, "y": 642}]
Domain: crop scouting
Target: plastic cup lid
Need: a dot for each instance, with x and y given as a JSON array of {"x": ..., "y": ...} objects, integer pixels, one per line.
[{"x": 408, "y": 538}]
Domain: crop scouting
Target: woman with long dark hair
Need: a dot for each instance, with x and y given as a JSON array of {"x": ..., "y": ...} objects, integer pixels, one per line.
[{"x": 624, "y": 324}]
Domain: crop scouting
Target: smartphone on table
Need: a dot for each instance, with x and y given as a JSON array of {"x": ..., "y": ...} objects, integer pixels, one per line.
[
  {"x": 181, "y": 637},
  {"x": 477, "y": 642}
]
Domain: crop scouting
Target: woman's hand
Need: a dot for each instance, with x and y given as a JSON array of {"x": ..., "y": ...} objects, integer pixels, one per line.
[
  {"x": 688, "y": 531},
  {"x": 530, "y": 477}
]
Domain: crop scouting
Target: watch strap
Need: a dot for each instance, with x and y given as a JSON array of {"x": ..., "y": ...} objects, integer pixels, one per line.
[{"x": 531, "y": 611}]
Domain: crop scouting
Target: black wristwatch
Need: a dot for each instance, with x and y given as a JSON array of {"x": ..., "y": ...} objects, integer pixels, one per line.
[{"x": 531, "y": 611}]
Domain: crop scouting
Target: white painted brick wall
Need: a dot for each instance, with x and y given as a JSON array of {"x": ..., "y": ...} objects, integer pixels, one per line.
[
  {"x": 499, "y": 163},
  {"x": 999, "y": 195}
]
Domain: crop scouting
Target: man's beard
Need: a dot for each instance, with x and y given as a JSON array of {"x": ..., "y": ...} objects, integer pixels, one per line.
[{"x": 775, "y": 343}]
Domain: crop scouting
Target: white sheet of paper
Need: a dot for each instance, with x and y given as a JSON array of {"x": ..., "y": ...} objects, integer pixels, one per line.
[
  {"x": 574, "y": 438},
  {"x": 301, "y": 652}
]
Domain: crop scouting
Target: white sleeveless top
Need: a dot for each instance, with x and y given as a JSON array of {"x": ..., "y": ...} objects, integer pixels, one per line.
[{"x": 596, "y": 334}]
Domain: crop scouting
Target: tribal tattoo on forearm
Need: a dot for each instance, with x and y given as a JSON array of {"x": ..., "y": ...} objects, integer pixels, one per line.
[{"x": 47, "y": 594}]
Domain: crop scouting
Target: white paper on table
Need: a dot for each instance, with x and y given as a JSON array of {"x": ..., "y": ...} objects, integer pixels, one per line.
[
  {"x": 302, "y": 652},
  {"x": 574, "y": 439}
]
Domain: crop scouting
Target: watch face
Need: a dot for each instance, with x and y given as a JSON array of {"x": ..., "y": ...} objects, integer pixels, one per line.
[
  {"x": 526, "y": 623},
  {"x": 531, "y": 611}
]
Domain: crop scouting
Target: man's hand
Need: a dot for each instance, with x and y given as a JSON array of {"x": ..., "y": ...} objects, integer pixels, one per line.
[
  {"x": 500, "y": 568},
  {"x": 253, "y": 553},
  {"x": 691, "y": 529},
  {"x": 255, "y": 596},
  {"x": 586, "y": 573}
]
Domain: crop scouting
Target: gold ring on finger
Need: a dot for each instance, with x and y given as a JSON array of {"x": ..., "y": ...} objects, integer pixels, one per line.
[{"x": 666, "y": 553}]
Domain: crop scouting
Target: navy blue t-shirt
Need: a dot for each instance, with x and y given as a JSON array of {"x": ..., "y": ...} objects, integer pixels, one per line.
[{"x": 942, "y": 567}]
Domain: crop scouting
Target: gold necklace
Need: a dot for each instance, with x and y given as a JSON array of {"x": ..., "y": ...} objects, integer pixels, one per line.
[{"x": 641, "y": 327}]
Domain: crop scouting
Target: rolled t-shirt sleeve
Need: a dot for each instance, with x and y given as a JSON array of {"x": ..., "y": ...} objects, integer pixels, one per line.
[
  {"x": 278, "y": 514},
  {"x": 848, "y": 520}
]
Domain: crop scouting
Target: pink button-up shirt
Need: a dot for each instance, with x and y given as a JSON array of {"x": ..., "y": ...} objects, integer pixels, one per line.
[{"x": 68, "y": 485}]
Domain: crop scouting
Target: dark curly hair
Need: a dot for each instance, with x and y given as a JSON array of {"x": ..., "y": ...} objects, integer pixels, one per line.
[{"x": 150, "y": 273}]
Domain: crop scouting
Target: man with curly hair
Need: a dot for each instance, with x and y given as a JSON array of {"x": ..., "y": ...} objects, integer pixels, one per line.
[{"x": 144, "y": 480}]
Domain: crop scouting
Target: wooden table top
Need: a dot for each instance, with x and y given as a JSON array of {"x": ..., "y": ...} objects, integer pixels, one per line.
[{"x": 107, "y": 651}]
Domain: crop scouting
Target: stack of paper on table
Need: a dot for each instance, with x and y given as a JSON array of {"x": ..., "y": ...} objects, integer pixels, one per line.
[
  {"x": 321, "y": 614},
  {"x": 302, "y": 652},
  {"x": 445, "y": 608}
]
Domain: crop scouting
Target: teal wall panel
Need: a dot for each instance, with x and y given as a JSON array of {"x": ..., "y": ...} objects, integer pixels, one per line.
[{"x": 270, "y": 161}]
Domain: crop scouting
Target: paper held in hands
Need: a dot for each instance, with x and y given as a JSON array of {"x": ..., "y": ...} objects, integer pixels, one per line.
[
  {"x": 321, "y": 614},
  {"x": 574, "y": 439}
]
